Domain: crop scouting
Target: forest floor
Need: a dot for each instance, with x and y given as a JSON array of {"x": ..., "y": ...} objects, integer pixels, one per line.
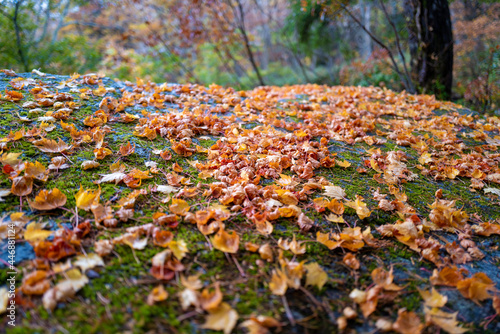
[{"x": 142, "y": 207}]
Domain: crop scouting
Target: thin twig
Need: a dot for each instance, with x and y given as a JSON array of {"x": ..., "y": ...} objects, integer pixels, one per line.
[
  {"x": 209, "y": 243},
  {"x": 288, "y": 311},
  {"x": 240, "y": 269}
]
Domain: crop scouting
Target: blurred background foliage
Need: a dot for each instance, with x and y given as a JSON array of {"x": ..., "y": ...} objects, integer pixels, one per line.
[{"x": 246, "y": 43}]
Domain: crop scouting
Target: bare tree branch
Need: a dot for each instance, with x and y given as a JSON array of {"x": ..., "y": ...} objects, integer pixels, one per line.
[
  {"x": 406, "y": 80},
  {"x": 242, "y": 29},
  {"x": 61, "y": 19},
  {"x": 398, "y": 45}
]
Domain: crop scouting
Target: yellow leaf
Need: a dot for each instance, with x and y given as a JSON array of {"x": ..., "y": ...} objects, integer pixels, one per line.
[
  {"x": 324, "y": 238},
  {"x": 447, "y": 321},
  {"x": 210, "y": 300},
  {"x": 223, "y": 318},
  {"x": 360, "y": 207},
  {"x": 34, "y": 232},
  {"x": 425, "y": 158},
  {"x": 343, "y": 163},
  {"x": 86, "y": 198},
  {"x": 335, "y": 219},
  {"x": 64, "y": 289},
  {"x": 10, "y": 158},
  {"x": 179, "y": 207},
  {"x": 315, "y": 275},
  {"x": 179, "y": 248},
  {"x": 278, "y": 284},
  {"x": 433, "y": 298}
]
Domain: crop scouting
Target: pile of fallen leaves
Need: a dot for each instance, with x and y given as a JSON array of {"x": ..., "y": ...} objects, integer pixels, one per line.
[{"x": 267, "y": 165}]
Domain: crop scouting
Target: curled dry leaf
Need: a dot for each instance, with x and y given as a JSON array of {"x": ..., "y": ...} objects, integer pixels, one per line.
[
  {"x": 88, "y": 261},
  {"x": 22, "y": 185},
  {"x": 64, "y": 289},
  {"x": 179, "y": 207},
  {"x": 260, "y": 324},
  {"x": 158, "y": 294},
  {"x": 446, "y": 321},
  {"x": 351, "y": 261},
  {"x": 48, "y": 200},
  {"x": 103, "y": 247},
  {"x": 88, "y": 164},
  {"x": 178, "y": 248},
  {"x": 36, "y": 170},
  {"x": 476, "y": 288},
  {"x": 58, "y": 163},
  {"x": 265, "y": 251},
  {"x": 360, "y": 207},
  {"x": 210, "y": 300},
  {"x": 51, "y": 146},
  {"x": 226, "y": 241},
  {"x": 408, "y": 323},
  {"x": 35, "y": 283},
  {"x": 4, "y": 193}
]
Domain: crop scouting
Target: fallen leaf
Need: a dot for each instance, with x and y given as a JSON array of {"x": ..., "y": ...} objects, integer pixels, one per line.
[
  {"x": 433, "y": 298},
  {"x": 64, "y": 289},
  {"x": 226, "y": 241},
  {"x": 446, "y": 321},
  {"x": 158, "y": 294},
  {"x": 86, "y": 198},
  {"x": 51, "y": 146},
  {"x": 35, "y": 232},
  {"x": 315, "y": 275},
  {"x": 223, "y": 318},
  {"x": 335, "y": 192},
  {"x": 88, "y": 261},
  {"x": 48, "y": 200},
  {"x": 278, "y": 284},
  {"x": 21, "y": 185},
  {"x": 408, "y": 323}
]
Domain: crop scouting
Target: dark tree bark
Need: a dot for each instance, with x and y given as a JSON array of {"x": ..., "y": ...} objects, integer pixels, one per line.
[{"x": 431, "y": 45}]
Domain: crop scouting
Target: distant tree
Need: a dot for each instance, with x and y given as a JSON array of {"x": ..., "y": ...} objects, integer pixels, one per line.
[
  {"x": 431, "y": 45},
  {"x": 430, "y": 37}
]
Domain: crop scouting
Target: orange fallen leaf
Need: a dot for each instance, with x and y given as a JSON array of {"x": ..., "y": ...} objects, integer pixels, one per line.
[
  {"x": 48, "y": 200},
  {"x": 408, "y": 323},
  {"x": 51, "y": 146},
  {"x": 21, "y": 185},
  {"x": 226, "y": 241}
]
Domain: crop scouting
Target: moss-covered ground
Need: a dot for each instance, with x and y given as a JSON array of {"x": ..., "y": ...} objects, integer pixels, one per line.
[{"x": 114, "y": 300}]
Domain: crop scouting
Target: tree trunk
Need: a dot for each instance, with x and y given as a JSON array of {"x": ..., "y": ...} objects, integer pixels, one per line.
[
  {"x": 366, "y": 45},
  {"x": 431, "y": 46}
]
